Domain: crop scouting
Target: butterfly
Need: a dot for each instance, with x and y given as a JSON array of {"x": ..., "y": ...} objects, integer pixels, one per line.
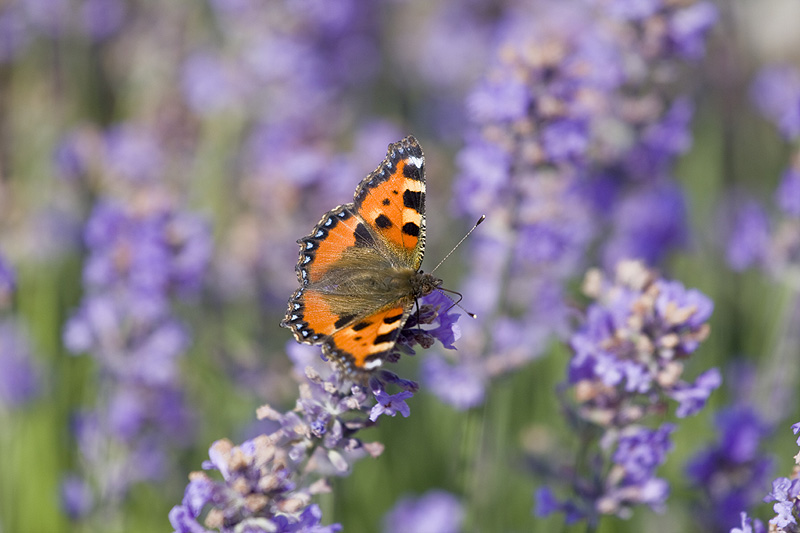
[{"x": 359, "y": 269}]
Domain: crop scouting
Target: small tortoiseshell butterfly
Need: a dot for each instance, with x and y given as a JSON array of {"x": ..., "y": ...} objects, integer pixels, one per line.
[{"x": 359, "y": 268}]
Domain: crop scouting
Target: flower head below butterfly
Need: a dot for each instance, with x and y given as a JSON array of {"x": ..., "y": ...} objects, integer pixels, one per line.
[{"x": 359, "y": 269}]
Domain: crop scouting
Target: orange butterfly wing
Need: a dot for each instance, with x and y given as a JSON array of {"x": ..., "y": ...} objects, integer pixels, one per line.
[{"x": 356, "y": 265}]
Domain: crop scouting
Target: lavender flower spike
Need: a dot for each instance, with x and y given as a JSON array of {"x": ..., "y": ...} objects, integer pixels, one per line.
[
  {"x": 436, "y": 510},
  {"x": 257, "y": 492},
  {"x": 786, "y": 495},
  {"x": 7, "y": 283}
]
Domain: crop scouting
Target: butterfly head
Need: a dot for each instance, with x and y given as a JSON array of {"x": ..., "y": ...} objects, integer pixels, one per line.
[{"x": 424, "y": 283}]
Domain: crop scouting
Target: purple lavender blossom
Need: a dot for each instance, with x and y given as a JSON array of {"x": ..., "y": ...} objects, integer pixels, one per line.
[
  {"x": 7, "y": 283},
  {"x": 692, "y": 397},
  {"x": 633, "y": 9},
  {"x": 546, "y": 504},
  {"x": 785, "y": 493},
  {"x": 209, "y": 84},
  {"x": 270, "y": 480},
  {"x": 689, "y": 28},
  {"x": 733, "y": 471},
  {"x": 749, "y": 239},
  {"x": 19, "y": 377},
  {"x": 627, "y": 362},
  {"x": 632, "y": 343},
  {"x": 14, "y": 34},
  {"x": 461, "y": 386},
  {"x": 648, "y": 224},
  {"x": 436, "y": 510},
  {"x": 559, "y": 111},
  {"x": 50, "y": 17},
  {"x": 787, "y": 196},
  {"x": 133, "y": 154},
  {"x": 141, "y": 256},
  {"x": 660, "y": 142},
  {"x": 390, "y": 404},
  {"x": 631, "y": 481},
  {"x": 776, "y": 93},
  {"x": 102, "y": 18},
  {"x": 255, "y": 494},
  {"x": 749, "y": 525},
  {"x": 76, "y": 497},
  {"x": 439, "y": 313}
]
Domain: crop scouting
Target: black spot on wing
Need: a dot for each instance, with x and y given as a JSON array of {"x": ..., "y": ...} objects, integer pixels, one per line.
[
  {"x": 383, "y": 222},
  {"x": 412, "y": 172},
  {"x": 361, "y": 325},
  {"x": 413, "y": 200},
  {"x": 386, "y": 337},
  {"x": 363, "y": 236},
  {"x": 409, "y": 228},
  {"x": 343, "y": 321},
  {"x": 386, "y": 201},
  {"x": 392, "y": 319}
]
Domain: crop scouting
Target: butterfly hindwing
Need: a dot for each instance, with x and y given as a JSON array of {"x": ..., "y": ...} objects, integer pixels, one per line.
[
  {"x": 362, "y": 344},
  {"x": 331, "y": 289}
]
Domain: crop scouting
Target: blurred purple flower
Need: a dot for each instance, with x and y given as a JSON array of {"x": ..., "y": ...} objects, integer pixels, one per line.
[
  {"x": 102, "y": 18},
  {"x": 76, "y": 497},
  {"x": 633, "y": 9},
  {"x": 787, "y": 196},
  {"x": 498, "y": 100},
  {"x": 648, "y": 224},
  {"x": 640, "y": 451},
  {"x": 484, "y": 177},
  {"x": 572, "y": 126},
  {"x": 749, "y": 238},
  {"x": 660, "y": 143},
  {"x": 8, "y": 282},
  {"x": 50, "y": 17},
  {"x": 133, "y": 154},
  {"x": 776, "y": 93},
  {"x": 749, "y": 525},
  {"x": 692, "y": 398},
  {"x": 19, "y": 378},
  {"x": 733, "y": 471},
  {"x": 546, "y": 504},
  {"x": 689, "y": 27},
  {"x": 140, "y": 256},
  {"x": 566, "y": 140},
  {"x": 461, "y": 386},
  {"x": 210, "y": 84},
  {"x": 436, "y": 510},
  {"x": 14, "y": 33}
]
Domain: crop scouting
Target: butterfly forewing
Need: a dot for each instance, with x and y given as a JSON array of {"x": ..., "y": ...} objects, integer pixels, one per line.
[{"x": 391, "y": 200}]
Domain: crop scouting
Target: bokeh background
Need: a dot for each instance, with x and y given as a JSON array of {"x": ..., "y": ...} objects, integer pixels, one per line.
[{"x": 158, "y": 161}]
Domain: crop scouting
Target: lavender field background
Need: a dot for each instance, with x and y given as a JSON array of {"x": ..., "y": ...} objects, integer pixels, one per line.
[{"x": 635, "y": 359}]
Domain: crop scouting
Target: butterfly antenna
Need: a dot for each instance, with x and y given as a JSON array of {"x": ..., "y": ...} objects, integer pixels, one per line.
[
  {"x": 456, "y": 302},
  {"x": 478, "y": 223}
]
